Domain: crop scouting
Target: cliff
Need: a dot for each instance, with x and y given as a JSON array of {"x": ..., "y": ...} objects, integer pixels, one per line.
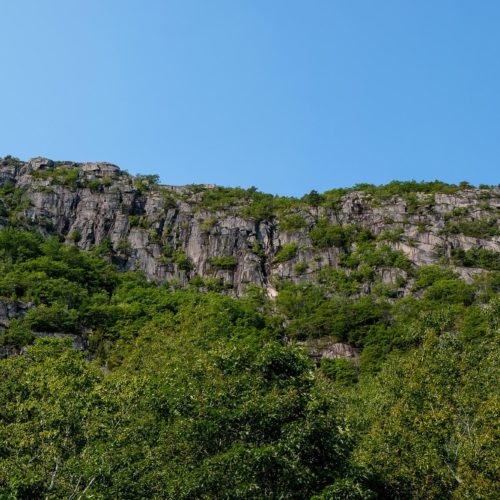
[{"x": 235, "y": 237}]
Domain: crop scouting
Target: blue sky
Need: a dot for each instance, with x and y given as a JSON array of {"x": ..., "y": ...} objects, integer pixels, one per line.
[{"x": 285, "y": 95}]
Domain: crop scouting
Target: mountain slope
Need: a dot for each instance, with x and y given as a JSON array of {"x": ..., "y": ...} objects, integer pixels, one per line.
[
  {"x": 340, "y": 346},
  {"x": 234, "y": 237}
]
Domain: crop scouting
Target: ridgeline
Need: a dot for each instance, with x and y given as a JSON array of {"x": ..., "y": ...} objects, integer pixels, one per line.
[{"x": 211, "y": 342}]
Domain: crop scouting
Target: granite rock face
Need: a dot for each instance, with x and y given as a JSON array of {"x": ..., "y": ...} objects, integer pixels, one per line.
[
  {"x": 165, "y": 231},
  {"x": 329, "y": 348}
]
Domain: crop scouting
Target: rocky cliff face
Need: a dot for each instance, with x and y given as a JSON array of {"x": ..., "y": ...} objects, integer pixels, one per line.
[{"x": 171, "y": 233}]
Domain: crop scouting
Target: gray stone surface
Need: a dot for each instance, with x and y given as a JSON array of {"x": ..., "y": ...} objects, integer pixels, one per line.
[
  {"x": 329, "y": 348},
  {"x": 106, "y": 213}
]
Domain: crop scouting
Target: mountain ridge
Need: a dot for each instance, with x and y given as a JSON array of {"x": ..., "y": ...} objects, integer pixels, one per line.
[
  {"x": 341, "y": 345},
  {"x": 182, "y": 232}
]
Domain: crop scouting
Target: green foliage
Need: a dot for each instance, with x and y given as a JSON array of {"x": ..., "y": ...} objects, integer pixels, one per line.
[
  {"x": 300, "y": 268},
  {"x": 428, "y": 421},
  {"x": 249, "y": 203},
  {"x": 345, "y": 489},
  {"x": 428, "y": 275},
  {"x": 12, "y": 199},
  {"x": 339, "y": 370},
  {"x": 59, "y": 175},
  {"x": 220, "y": 198},
  {"x": 393, "y": 235},
  {"x": 450, "y": 291},
  {"x": 60, "y": 280},
  {"x": 183, "y": 261},
  {"x": 292, "y": 222},
  {"x": 169, "y": 199},
  {"x": 104, "y": 248},
  {"x": 19, "y": 245},
  {"x": 11, "y": 161},
  {"x": 257, "y": 249},
  {"x": 311, "y": 313},
  {"x": 206, "y": 403},
  {"x": 145, "y": 183},
  {"x": 168, "y": 250},
  {"x": 54, "y": 318},
  {"x": 314, "y": 199},
  {"x": 476, "y": 257},
  {"x": 138, "y": 221},
  {"x": 476, "y": 228},
  {"x": 93, "y": 184},
  {"x": 369, "y": 255},
  {"x": 75, "y": 236},
  {"x": 153, "y": 236},
  {"x": 124, "y": 247},
  {"x": 405, "y": 188},
  {"x": 189, "y": 393},
  {"x": 287, "y": 252},
  {"x": 325, "y": 235},
  {"x": 17, "y": 334},
  {"x": 224, "y": 262},
  {"x": 207, "y": 224},
  {"x": 458, "y": 212}
]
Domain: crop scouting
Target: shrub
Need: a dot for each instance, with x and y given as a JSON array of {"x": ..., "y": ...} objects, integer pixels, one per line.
[
  {"x": 11, "y": 161},
  {"x": 458, "y": 212},
  {"x": 300, "y": 268},
  {"x": 339, "y": 370},
  {"x": 287, "y": 252},
  {"x": 393, "y": 236},
  {"x": 138, "y": 221},
  {"x": 197, "y": 281},
  {"x": 53, "y": 318},
  {"x": 257, "y": 249},
  {"x": 368, "y": 254},
  {"x": 292, "y": 222},
  {"x": 412, "y": 203},
  {"x": 314, "y": 199},
  {"x": 324, "y": 235},
  {"x": 183, "y": 261},
  {"x": 168, "y": 250},
  {"x": 428, "y": 275},
  {"x": 153, "y": 236},
  {"x": 227, "y": 263},
  {"x": 63, "y": 176},
  {"x": 478, "y": 228},
  {"x": 75, "y": 236},
  {"x": 214, "y": 284},
  {"x": 93, "y": 184},
  {"x": 134, "y": 220},
  {"x": 104, "y": 248},
  {"x": 12, "y": 198},
  {"x": 124, "y": 247},
  {"x": 208, "y": 224},
  {"x": 476, "y": 257},
  {"x": 146, "y": 182},
  {"x": 18, "y": 334},
  {"x": 19, "y": 245},
  {"x": 169, "y": 200},
  {"x": 261, "y": 208},
  {"x": 450, "y": 291}
]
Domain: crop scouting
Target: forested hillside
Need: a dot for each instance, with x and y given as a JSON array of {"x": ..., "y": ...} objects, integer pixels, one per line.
[{"x": 206, "y": 342}]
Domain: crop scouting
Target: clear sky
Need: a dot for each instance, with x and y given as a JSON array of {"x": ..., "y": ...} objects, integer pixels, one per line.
[{"x": 285, "y": 95}]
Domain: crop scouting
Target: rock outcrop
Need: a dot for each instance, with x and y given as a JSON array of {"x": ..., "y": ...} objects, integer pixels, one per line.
[
  {"x": 329, "y": 348},
  {"x": 170, "y": 234}
]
